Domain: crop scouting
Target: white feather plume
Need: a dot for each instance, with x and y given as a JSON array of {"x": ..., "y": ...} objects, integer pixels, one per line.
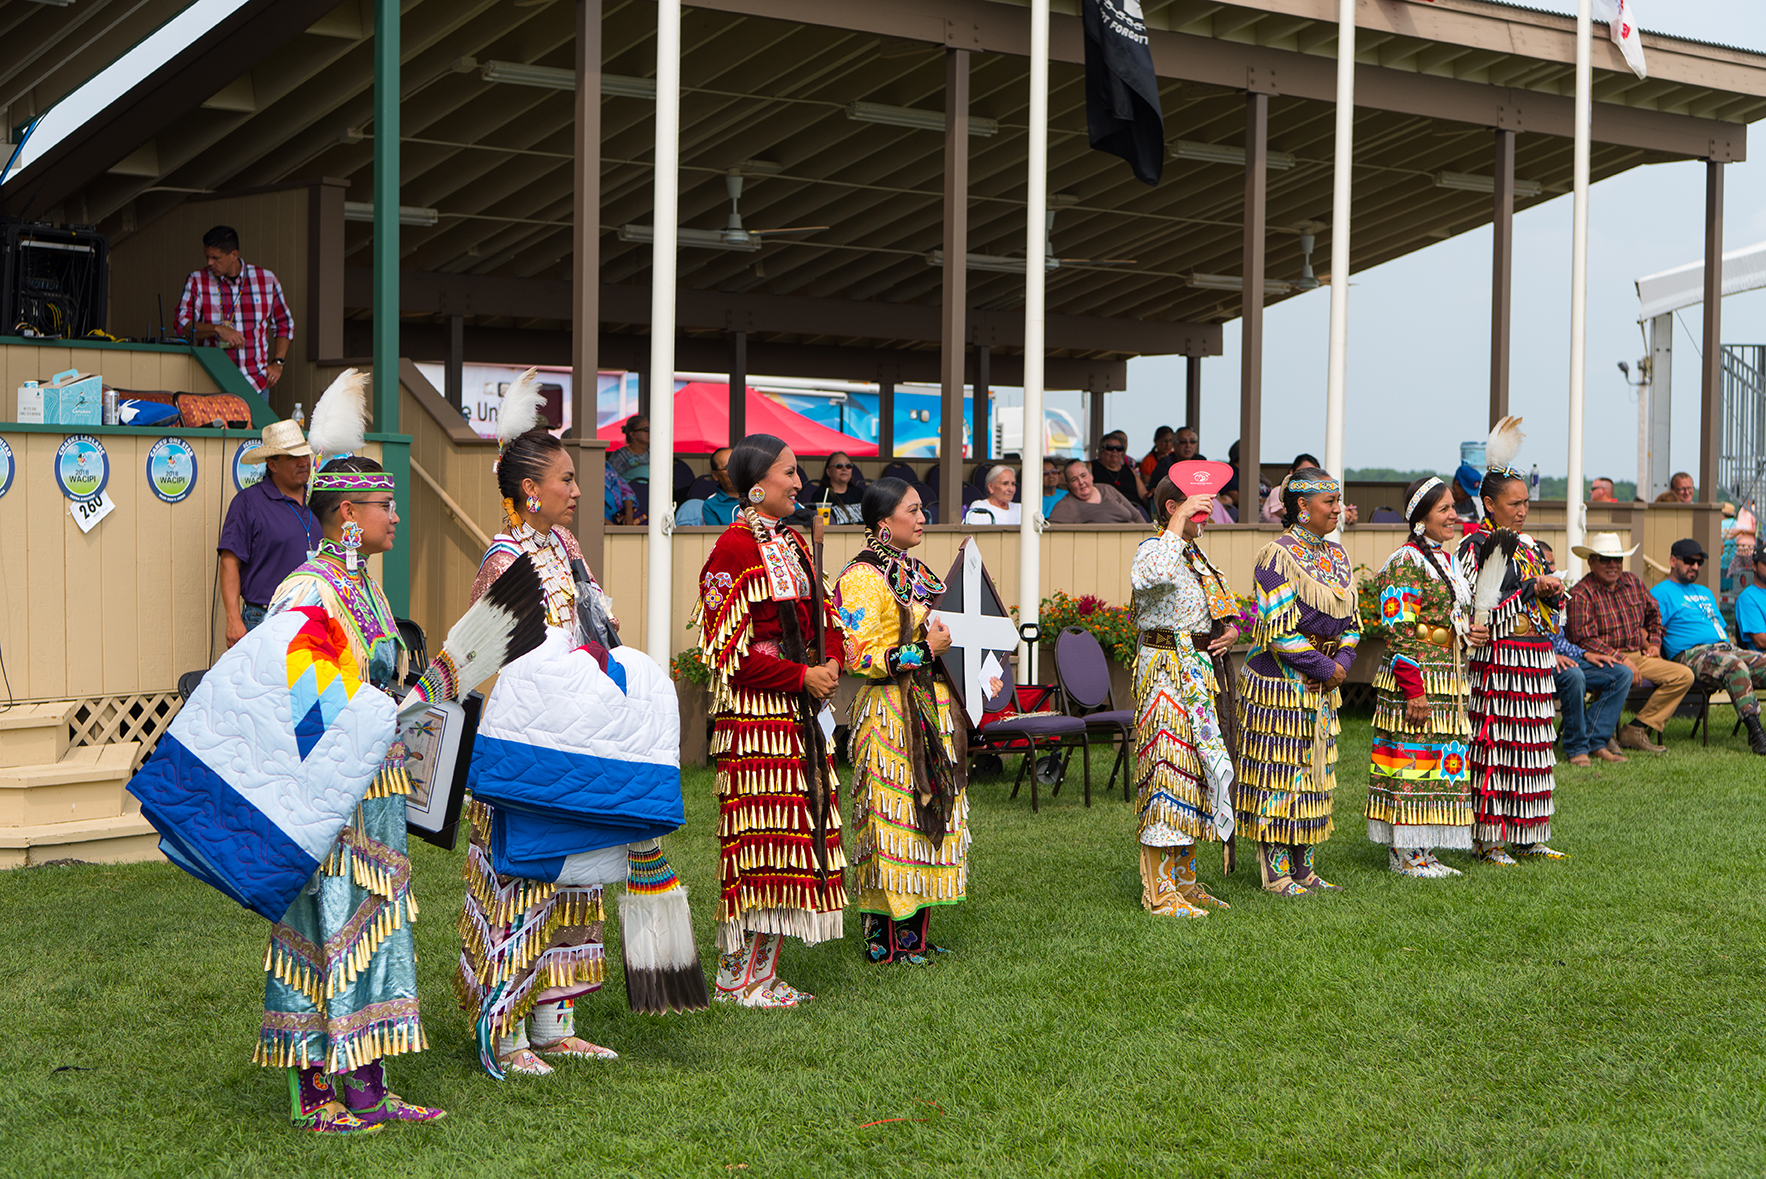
[
  {"x": 1504, "y": 443},
  {"x": 1487, "y": 591},
  {"x": 520, "y": 411},
  {"x": 340, "y": 419}
]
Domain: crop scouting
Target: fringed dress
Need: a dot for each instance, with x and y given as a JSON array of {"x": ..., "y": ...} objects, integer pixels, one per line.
[
  {"x": 1513, "y": 703},
  {"x": 782, "y": 868},
  {"x": 342, "y": 967},
  {"x": 1419, "y": 785},
  {"x": 910, "y": 811},
  {"x": 1183, "y": 769},
  {"x": 1307, "y": 626},
  {"x": 542, "y": 942}
]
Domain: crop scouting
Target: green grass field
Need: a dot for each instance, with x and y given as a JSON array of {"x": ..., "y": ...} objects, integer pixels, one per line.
[{"x": 1600, "y": 1016}]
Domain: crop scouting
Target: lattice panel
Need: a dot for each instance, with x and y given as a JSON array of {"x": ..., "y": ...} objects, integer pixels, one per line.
[{"x": 142, "y": 717}]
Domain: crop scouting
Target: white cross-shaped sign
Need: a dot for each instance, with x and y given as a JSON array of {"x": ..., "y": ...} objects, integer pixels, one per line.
[{"x": 975, "y": 633}]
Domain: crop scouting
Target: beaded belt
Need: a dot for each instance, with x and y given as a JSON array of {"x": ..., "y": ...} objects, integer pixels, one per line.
[{"x": 1168, "y": 640}]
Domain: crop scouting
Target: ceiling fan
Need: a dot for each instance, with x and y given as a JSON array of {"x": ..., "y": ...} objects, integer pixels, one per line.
[
  {"x": 1011, "y": 264},
  {"x": 733, "y": 236}
]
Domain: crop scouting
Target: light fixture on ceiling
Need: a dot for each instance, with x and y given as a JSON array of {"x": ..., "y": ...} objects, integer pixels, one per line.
[
  {"x": 1232, "y": 282},
  {"x": 1467, "y": 182},
  {"x": 994, "y": 262},
  {"x": 906, "y": 116},
  {"x": 553, "y": 78},
  {"x": 709, "y": 239},
  {"x": 408, "y": 214},
  {"x": 626, "y": 86},
  {"x": 1220, "y": 153}
]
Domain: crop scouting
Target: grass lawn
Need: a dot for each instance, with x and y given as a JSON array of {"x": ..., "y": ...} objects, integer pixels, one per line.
[{"x": 1600, "y": 1016}]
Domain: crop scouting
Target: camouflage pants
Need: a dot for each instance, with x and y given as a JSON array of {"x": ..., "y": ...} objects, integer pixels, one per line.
[{"x": 1740, "y": 672}]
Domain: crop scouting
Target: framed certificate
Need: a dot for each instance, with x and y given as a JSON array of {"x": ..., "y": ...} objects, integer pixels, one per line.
[{"x": 438, "y": 753}]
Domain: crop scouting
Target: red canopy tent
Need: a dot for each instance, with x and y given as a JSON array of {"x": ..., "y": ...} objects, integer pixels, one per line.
[{"x": 702, "y": 424}]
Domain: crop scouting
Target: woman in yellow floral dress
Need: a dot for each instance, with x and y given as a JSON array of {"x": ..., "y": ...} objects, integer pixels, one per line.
[{"x": 910, "y": 828}]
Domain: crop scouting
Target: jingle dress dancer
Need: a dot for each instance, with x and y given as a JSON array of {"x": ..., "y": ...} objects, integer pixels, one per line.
[
  {"x": 540, "y": 941},
  {"x": 1513, "y": 691},
  {"x": 782, "y": 867},
  {"x": 1301, "y": 648},
  {"x": 1183, "y": 768},
  {"x": 341, "y": 991},
  {"x": 910, "y": 809},
  {"x": 1419, "y": 788}
]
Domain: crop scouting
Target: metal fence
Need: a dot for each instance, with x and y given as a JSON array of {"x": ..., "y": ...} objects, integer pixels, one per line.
[{"x": 1741, "y": 463}]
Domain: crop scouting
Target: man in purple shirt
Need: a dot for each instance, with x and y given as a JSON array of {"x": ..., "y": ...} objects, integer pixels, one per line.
[{"x": 268, "y": 530}]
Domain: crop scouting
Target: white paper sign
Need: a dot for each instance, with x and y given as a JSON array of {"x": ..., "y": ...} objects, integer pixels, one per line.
[
  {"x": 826, "y": 718},
  {"x": 88, "y": 512},
  {"x": 988, "y": 679}
]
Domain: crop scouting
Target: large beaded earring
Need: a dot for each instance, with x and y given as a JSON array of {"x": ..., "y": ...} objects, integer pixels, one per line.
[
  {"x": 884, "y": 536},
  {"x": 351, "y": 540},
  {"x": 1305, "y": 516},
  {"x": 757, "y": 495},
  {"x": 533, "y": 505}
]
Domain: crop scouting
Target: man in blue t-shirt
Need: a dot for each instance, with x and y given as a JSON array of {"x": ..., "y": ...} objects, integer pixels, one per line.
[
  {"x": 1750, "y": 607},
  {"x": 1697, "y": 636}
]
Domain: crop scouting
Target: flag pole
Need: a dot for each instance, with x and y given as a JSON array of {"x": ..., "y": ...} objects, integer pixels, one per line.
[
  {"x": 659, "y": 596},
  {"x": 1336, "y": 389},
  {"x": 1579, "y": 280},
  {"x": 1035, "y": 283}
]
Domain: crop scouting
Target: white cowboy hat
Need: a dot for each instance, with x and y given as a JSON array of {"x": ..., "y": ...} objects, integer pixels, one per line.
[
  {"x": 280, "y": 438},
  {"x": 1602, "y": 544}
]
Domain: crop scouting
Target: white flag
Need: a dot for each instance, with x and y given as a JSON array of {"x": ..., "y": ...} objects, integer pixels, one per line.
[{"x": 1623, "y": 27}]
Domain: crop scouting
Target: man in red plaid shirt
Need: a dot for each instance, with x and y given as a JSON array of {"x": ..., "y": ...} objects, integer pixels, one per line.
[{"x": 238, "y": 306}]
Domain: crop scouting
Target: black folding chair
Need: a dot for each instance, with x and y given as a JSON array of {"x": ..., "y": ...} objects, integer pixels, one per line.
[
  {"x": 1053, "y": 730},
  {"x": 416, "y": 648}
]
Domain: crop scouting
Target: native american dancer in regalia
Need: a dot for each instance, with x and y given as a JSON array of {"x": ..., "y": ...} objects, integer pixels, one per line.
[
  {"x": 1184, "y": 615},
  {"x": 1301, "y": 648},
  {"x": 282, "y": 783},
  {"x": 1419, "y": 785},
  {"x": 1513, "y": 692},
  {"x": 910, "y": 809},
  {"x": 783, "y": 871},
  {"x": 572, "y": 783}
]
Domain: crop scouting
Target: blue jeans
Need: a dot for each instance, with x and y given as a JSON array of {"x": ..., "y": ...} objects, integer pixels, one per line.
[
  {"x": 1589, "y": 726},
  {"x": 252, "y": 616}
]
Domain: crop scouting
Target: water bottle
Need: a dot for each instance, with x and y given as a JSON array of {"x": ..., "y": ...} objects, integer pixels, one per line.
[
  {"x": 300, "y": 417},
  {"x": 1533, "y": 483}
]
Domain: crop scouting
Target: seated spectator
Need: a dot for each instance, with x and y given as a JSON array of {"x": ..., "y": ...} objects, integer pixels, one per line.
[
  {"x": 1054, "y": 486},
  {"x": 1680, "y": 489},
  {"x": 621, "y": 500},
  {"x": 1587, "y": 727},
  {"x": 1090, "y": 502},
  {"x": 722, "y": 506},
  {"x": 1112, "y": 469},
  {"x": 631, "y": 462},
  {"x": 1612, "y": 615},
  {"x": 842, "y": 488},
  {"x": 1750, "y": 607},
  {"x": 1601, "y": 491},
  {"x": 1164, "y": 442},
  {"x": 1272, "y": 502},
  {"x": 997, "y": 508},
  {"x": 1466, "y": 496},
  {"x": 1695, "y": 635},
  {"x": 1184, "y": 447}
]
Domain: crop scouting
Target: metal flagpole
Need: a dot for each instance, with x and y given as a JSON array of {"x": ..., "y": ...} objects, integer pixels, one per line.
[
  {"x": 1579, "y": 278},
  {"x": 1035, "y": 282},
  {"x": 1339, "y": 354},
  {"x": 658, "y": 626}
]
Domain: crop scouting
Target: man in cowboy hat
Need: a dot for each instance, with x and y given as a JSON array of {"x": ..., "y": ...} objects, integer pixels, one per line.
[
  {"x": 1588, "y": 727},
  {"x": 268, "y": 530},
  {"x": 1613, "y": 617}
]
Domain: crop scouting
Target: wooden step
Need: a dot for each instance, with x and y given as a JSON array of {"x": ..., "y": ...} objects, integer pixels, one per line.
[
  {"x": 120, "y": 839},
  {"x": 36, "y": 734},
  {"x": 86, "y": 784}
]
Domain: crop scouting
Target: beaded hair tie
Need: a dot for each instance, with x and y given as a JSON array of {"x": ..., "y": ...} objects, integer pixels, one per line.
[{"x": 1314, "y": 486}]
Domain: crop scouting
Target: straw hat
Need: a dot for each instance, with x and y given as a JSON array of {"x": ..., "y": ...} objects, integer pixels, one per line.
[
  {"x": 280, "y": 438},
  {"x": 1602, "y": 544}
]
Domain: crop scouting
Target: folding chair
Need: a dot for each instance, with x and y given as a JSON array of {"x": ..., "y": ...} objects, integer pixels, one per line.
[
  {"x": 1083, "y": 672},
  {"x": 1002, "y": 731}
]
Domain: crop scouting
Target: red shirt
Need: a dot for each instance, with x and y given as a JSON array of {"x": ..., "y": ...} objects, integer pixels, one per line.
[{"x": 252, "y": 303}]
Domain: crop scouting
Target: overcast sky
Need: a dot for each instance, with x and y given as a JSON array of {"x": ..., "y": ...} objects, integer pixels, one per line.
[{"x": 1419, "y": 326}]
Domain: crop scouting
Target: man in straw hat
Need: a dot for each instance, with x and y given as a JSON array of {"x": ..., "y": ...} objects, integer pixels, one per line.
[
  {"x": 268, "y": 530},
  {"x": 1613, "y": 617}
]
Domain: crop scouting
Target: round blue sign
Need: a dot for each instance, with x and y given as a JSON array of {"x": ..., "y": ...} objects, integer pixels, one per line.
[
  {"x": 244, "y": 473},
  {"x": 82, "y": 468},
  {"x": 171, "y": 469},
  {"x": 8, "y": 465}
]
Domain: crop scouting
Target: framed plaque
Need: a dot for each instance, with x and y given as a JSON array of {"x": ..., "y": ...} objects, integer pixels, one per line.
[{"x": 438, "y": 753}]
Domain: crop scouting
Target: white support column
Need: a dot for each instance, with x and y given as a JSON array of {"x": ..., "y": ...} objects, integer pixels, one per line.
[
  {"x": 1035, "y": 283},
  {"x": 1652, "y": 474},
  {"x": 658, "y": 623},
  {"x": 1579, "y": 281},
  {"x": 1339, "y": 356}
]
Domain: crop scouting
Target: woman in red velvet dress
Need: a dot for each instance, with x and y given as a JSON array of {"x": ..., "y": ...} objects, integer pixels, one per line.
[{"x": 783, "y": 871}]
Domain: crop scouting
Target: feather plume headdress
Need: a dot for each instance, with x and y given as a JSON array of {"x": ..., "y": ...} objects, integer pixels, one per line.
[
  {"x": 340, "y": 429},
  {"x": 1504, "y": 444},
  {"x": 520, "y": 411}
]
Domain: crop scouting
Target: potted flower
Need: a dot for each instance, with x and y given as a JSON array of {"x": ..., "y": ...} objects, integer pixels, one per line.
[{"x": 693, "y": 689}]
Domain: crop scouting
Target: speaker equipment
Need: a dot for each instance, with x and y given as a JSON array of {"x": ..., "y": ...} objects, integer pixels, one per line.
[{"x": 54, "y": 280}]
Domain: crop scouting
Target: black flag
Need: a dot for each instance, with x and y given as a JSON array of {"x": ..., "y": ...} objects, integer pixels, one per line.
[{"x": 1121, "y": 93}]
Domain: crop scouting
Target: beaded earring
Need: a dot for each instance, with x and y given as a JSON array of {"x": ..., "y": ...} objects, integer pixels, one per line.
[
  {"x": 757, "y": 495},
  {"x": 883, "y": 534},
  {"x": 351, "y": 541},
  {"x": 1305, "y": 516},
  {"x": 533, "y": 505}
]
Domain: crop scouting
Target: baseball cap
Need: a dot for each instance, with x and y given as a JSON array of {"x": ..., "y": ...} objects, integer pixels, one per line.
[{"x": 1685, "y": 549}]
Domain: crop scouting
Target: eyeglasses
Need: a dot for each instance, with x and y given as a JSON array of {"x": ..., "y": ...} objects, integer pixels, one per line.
[
  {"x": 1117, "y": 449},
  {"x": 1608, "y": 560},
  {"x": 840, "y": 466},
  {"x": 1695, "y": 562},
  {"x": 391, "y": 505}
]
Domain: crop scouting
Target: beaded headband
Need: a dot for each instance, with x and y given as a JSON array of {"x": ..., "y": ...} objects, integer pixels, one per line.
[
  {"x": 1421, "y": 492},
  {"x": 353, "y": 481},
  {"x": 1503, "y": 469},
  {"x": 1314, "y": 486}
]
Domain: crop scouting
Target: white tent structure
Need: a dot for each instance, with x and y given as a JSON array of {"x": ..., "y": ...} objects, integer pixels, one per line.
[{"x": 1659, "y": 296}]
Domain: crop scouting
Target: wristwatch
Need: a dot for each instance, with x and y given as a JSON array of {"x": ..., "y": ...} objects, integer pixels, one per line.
[{"x": 277, "y": 360}]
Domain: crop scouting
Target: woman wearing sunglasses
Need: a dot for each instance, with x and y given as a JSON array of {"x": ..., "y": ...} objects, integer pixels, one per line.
[
  {"x": 1113, "y": 469},
  {"x": 842, "y": 489}
]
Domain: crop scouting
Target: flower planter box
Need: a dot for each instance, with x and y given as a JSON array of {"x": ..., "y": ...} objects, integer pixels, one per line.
[{"x": 695, "y": 702}]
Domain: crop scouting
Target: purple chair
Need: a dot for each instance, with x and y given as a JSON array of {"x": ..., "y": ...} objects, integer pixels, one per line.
[
  {"x": 1084, "y": 675},
  {"x": 1051, "y": 729}
]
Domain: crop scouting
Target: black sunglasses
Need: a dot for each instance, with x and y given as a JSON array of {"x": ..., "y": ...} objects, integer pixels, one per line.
[
  {"x": 1118, "y": 449},
  {"x": 840, "y": 466},
  {"x": 1695, "y": 562}
]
